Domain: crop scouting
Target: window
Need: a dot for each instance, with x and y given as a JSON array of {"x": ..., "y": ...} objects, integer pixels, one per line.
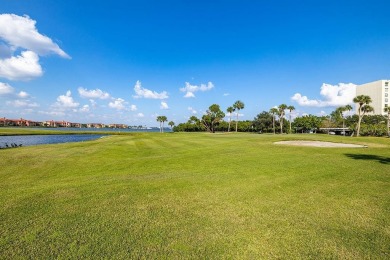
[
  {"x": 386, "y": 84},
  {"x": 385, "y": 105},
  {"x": 386, "y": 94},
  {"x": 386, "y": 90},
  {"x": 386, "y": 100}
]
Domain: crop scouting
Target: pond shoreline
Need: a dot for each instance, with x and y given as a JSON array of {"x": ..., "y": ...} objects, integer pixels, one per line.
[
  {"x": 16, "y": 141},
  {"x": 12, "y": 131}
]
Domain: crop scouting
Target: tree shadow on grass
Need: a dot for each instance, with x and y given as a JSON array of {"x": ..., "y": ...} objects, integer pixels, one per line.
[{"x": 380, "y": 159}]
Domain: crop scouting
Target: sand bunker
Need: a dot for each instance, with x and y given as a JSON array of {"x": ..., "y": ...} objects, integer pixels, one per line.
[{"x": 320, "y": 144}]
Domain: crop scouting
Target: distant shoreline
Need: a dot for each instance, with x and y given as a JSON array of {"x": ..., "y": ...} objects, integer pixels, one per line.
[{"x": 7, "y": 131}]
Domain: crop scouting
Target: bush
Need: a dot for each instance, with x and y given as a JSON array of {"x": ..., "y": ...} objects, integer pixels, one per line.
[{"x": 373, "y": 130}]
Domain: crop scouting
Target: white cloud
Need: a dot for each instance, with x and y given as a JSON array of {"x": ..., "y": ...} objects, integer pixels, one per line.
[
  {"x": 193, "y": 111},
  {"x": 93, "y": 93},
  {"x": 140, "y": 115},
  {"x": 5, "y": 88},
  {"x": 93, "y": 103},
  {"x": 189, "y": 95},
  {"x": 66, "y": 101},
  {"x": 164, "y": 105},
  {"x": 22, "y": 103},
  {"x": 304, "y": 100},
  {"x": 85, "y": 108},
  {"x": 322, "y": 113},
  {"x": 146, "y": 93},
  {"x": 52, "y": 113},
  {"x": 190, "y": 89},
  {"x": 23, "y": 94},
  {"x": 20, "y": 31},
  {"x": 226, "y": 94},
  {"x": 207, "y": 87},
  {"x": 133, "y": 108},
  {"x": 333, "y": 96},
  {"x": 22, "y": 67},
  {"x": 118, "y": 104}
]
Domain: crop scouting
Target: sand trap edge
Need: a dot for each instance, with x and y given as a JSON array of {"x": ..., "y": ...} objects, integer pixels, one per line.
[{"x": 319, "y": 144}]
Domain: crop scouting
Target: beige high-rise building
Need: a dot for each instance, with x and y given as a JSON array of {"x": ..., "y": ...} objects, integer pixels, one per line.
[{"x": 379, "y": 93}]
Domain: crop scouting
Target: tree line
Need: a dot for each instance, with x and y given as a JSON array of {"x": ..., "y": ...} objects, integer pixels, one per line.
[{"x": 276, "y": 121}]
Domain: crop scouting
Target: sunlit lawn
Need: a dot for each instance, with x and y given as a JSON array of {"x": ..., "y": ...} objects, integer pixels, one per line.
[{"x": 199, "y": 195}]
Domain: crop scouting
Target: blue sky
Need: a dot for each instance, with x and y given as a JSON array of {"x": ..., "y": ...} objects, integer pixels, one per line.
[{"x": 129, "y": 61}]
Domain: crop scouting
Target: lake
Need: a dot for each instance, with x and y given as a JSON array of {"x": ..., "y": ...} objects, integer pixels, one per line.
[
  {"x": 28, "y": 140},
  {"x": 150, "y": 130}
]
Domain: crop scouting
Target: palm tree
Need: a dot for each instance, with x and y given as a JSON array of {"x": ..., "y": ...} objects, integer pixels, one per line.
[
  {"x": 238, "y": 105},
  {"x": 387, "y": 109},
  {"x": 273, "y": 111},
  {"x": 159, "y": 120},
  {"x": 230, "y": 110},
  {"x": 162, "y": 119},
  {"x": 343, "y": 109},
  {"x": 364, "y": 107},
  {"x": 281, "y": 113},
  {"x": 290, "y": 108},
  {"x": 171, "y": 124}
]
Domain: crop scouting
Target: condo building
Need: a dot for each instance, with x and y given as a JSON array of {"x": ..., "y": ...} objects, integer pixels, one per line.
[{"x": 379, "y": 93}]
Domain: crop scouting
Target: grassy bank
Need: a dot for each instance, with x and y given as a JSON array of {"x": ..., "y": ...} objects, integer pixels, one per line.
[{"x": 196, "y": 196}]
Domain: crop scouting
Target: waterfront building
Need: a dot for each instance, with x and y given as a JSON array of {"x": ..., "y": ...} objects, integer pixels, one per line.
[
  {"x": 379, "y": 93},
  {"x": 18, "y": 122}
]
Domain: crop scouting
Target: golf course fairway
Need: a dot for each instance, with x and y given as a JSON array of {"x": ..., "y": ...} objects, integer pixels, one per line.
[{"x": 196, "y": 195}]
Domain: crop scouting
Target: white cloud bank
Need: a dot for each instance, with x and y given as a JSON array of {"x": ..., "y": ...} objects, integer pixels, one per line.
[
  {"x": 93, "y": 93},
  {"x": 333, "y": 96},
  {"x": 22, "y": 67},
  {"x": 20, "y": 33},
  {"x": 23, "y": 94},
  {"x": 52, "y": 113},
  {"x": 66, "y": 101},
  {"x": 164, "y": 105},
  {"x": 5, "y": 88},
  {"x": 22, "y": 103},
  {"x": 146, "y": 93},
  {"x": 121, "y": 104},
  {"x": 191, "y": 89},
  {"x": 118, "y": 104},
  {"x": 133, "y": 108},
  {"x": 85, "y": 109}
]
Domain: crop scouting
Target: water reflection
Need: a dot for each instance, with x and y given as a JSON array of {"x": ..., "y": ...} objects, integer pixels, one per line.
[{"x": 28, "y": 140}]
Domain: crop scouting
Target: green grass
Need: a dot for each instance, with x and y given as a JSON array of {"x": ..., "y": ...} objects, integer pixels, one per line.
[{"x": 198, "y": 195}]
